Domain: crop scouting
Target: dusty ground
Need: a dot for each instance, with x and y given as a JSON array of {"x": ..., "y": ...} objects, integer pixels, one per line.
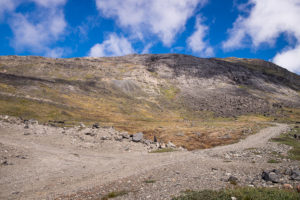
[{"x": 42, "y": 162}]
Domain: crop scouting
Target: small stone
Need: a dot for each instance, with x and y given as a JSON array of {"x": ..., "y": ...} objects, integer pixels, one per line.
[
  {"x": 233, "y": 198},
  {"x": 104, "y": 138},
  {"x": 125, "y": 135},
  {"x": 154, "y": 139},
  {"x": 82, "y": 125},
  {"x": 163, "y": 145},
  {"x": 96, "y": 125},
  {"x": 171, "y": 145},
  {"x": 147, "y": 142},
  {"x": 90, "y": 134},
  {"x": 233, "y": 180},
  {"x": 26, "y": 133},
  {"x": 118, "y": 138}
]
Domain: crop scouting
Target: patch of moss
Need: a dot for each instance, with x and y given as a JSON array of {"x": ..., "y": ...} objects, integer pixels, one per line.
[
  {"x": 114, "y": 194},
  {"x": 170, "y": 92}
]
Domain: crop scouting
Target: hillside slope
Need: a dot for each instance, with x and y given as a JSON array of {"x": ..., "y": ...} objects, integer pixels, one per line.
[{"x": 175, "y": 97}]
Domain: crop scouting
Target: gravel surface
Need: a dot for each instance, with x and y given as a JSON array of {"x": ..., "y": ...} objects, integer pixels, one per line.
[{"x": 43, "y": 162}]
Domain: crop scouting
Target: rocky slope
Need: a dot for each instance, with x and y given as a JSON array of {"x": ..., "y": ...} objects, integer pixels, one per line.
[{"x": 163, "y": 95}]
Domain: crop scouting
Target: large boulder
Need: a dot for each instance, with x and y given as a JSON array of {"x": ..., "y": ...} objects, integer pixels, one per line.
[{"x": 138, "y": 137}]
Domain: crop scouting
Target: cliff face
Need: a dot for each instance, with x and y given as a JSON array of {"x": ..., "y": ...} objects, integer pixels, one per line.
[{"x": 132, "y": 90}]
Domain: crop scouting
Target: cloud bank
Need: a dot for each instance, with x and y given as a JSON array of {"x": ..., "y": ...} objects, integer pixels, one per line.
[
  {"x": 163, "y": 18},
  {"x": 267, "y": 20},
  {"x": 38, "y": 30}
]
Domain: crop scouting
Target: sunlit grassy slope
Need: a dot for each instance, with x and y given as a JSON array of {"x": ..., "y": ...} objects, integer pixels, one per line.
[{"x": 118, "y": 93}]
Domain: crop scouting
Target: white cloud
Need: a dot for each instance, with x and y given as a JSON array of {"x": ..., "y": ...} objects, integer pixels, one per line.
[
  {"x": 7, "y": 6},
  {"x": 196, "y": 42},
  {"x": 147, "y": 48},
  {"x": 266, "y": 21},
  {"x": 39, "y": 30},
  {"x": 50, "y": 3},
  {"x": 164, "y": 18},
  {"x": 113, "y": 46},
  {"x": 290, "y": 59}
]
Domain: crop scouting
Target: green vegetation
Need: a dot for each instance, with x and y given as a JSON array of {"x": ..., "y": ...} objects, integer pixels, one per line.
[
  {"x": 274, "y": 161},
  {"x": 150, "y": 181},
  {"x": 163, "y": 150},
  {"x": 288, "y": 139},
  {"x": 169, "y": 93},
  {"x": 241, "y": 194},
  {"x": 114, "y": 194}
]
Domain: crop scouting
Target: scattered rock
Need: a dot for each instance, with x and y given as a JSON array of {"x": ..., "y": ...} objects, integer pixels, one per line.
[
  {"x": 81, "y": 125},
  {"x": 26, "y": 133},
  {"x": 138, "y": 137}
]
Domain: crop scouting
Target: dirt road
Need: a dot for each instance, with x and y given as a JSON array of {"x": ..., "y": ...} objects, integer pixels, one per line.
[{"x": 51, "y": 164}]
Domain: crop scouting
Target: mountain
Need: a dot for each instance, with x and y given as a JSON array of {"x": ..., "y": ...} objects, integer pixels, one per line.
[{"x": 172, "y": 96}]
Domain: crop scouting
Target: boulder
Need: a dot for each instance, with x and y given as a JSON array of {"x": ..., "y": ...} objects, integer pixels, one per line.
[
  {"x": 295, "y": 175},
  {"x": 138, "y": 137},
  {"x": 271, "y": 176},
  {"x": 118, "y": 138},
  {"x": 171, "y": 145},
  {"x": 147, "y": 142},
  {"x": 125, "y": 135}
]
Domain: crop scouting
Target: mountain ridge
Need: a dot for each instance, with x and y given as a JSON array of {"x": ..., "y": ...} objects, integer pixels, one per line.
[{"x": 166, "y": 95}]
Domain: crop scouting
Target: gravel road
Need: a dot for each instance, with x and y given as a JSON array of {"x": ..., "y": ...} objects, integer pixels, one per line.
[{"x": 51, "y": 165}]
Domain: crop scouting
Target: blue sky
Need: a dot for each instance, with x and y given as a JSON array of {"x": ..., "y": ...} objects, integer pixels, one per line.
[{"x": 265, "y": 29}]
